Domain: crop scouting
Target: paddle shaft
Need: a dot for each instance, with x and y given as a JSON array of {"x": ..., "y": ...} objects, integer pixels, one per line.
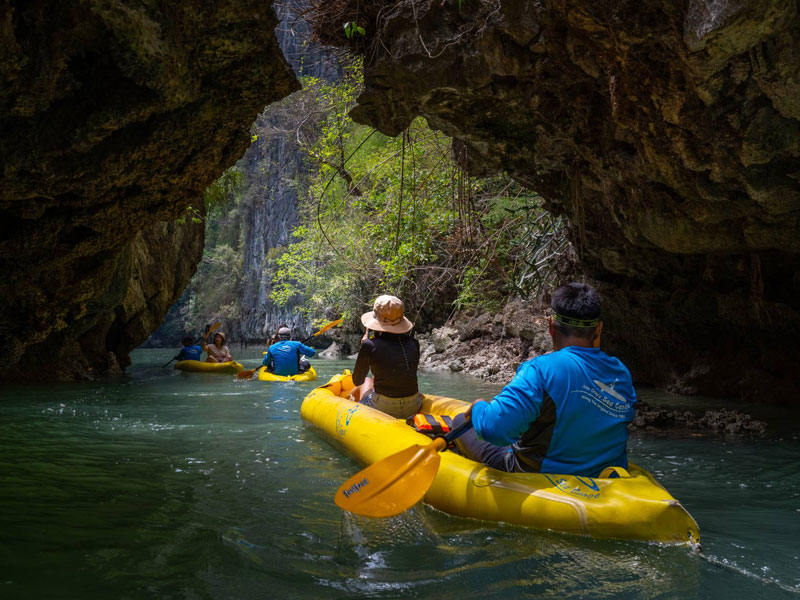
[{"x": 458, "y": 431}]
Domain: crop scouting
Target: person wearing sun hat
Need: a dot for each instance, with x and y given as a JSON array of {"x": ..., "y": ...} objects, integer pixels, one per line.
[
  {"x": 393, "y": 357},
  {"x": 217, "y": 352}
]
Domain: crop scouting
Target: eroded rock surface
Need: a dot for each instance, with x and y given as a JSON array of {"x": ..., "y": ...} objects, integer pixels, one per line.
[
  {"x": 668, "y": 133},
  {"x": 725, "y": 422},
  {"x": 114, "y": 118},
  {"x": 486, "y": 345}
]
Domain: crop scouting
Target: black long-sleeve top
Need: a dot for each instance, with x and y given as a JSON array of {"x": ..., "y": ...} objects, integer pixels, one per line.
[{"x": 393, "y": 359}]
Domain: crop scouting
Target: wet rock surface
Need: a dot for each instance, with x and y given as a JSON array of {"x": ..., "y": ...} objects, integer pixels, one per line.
[
  {"x": 668, "y": 133},
  {"x": 485, "y": 345},
  {"x": 723, "y": 421},
  {"x": 114, "y": 119}
]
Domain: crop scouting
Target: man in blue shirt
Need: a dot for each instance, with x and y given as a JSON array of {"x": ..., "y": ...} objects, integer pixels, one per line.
[
  {"x": 190, "y": 351},
  {"x": 565, "y": 412},
  {"x": 284, "y": 356}
]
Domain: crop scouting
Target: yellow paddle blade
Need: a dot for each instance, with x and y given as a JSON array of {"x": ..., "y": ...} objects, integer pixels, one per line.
[
  {"x": 392, "y": 485},
  {"x": 328, "y": 326},
  {"x": 214, "y": 327},
  {"x": 246, "y": 374}
]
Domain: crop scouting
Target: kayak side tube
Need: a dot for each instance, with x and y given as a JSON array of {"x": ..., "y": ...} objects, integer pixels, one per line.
[
  {"x": 264, "y": 375},
  {"x": 199, "y": 366},
  {"x": 633, "y": 506}
]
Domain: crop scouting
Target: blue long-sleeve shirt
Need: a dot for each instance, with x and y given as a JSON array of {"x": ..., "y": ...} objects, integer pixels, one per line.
[
  {"x": 190, "y": 353},
  {"x": 594, "y": 401},
  {"x": 284, "y": 357}
]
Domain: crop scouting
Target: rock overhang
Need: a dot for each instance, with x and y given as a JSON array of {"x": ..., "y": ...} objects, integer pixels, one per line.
[
  {"x": 669, "y": 135},
  {"x": 115, "y": 118}
]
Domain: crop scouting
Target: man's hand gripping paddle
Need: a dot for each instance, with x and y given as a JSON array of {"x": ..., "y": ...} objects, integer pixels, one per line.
[{"x": 396, "y": 483}]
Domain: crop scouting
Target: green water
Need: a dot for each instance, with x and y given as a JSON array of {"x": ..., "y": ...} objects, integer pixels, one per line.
[{"x": 169, "y": 485}]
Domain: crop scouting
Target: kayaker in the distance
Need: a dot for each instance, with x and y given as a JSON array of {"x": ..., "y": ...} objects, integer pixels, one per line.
[
  {"x": 393, "y": 357},
  {"x": 190, "y": 350},
  {"x": 275, "y": 338},
  {"x": 563, "y": 412},
  {"x": 285, "y": 357},
  {"x": 217, "y": 352}
]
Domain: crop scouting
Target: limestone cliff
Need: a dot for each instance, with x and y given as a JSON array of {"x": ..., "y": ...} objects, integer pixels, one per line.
[
  {"x": 668, "y": 133},
  {"x": 114, "y": 118},
  {"x": 276, "y": 172}
]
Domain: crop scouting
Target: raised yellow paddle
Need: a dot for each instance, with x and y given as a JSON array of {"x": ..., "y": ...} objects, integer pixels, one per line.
[
  {"x": 207, "y": 330},
  {"x": 396, "y": 483},
  {"x": 325, "y": 328},
  {"x": 249, "y": 373}
]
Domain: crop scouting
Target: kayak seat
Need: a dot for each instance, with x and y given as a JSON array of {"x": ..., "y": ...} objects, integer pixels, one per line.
[{"x": 432, "y": 424}]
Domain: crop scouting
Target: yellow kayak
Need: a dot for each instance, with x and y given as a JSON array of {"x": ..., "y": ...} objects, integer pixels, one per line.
[
  {"x": 198, "y": 366},
  {"x": 310, "y": 375},
  {"x": 632, "y": 505}
]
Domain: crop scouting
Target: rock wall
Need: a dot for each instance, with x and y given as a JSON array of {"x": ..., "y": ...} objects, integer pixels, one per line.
[
  {"x": 114, "y": 118},
  {"x": 275, "y": 168},
  {"x": 668, "y": 133},
  {"x": 488, "y": 346},
  {"x": 137, "y": 291}
]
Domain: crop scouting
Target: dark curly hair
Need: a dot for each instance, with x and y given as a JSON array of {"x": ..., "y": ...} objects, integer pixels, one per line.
[{"x": 576, "y": 307}]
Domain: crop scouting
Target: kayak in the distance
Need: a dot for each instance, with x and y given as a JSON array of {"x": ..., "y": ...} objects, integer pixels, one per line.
[
  {"x": 310, "y": 375},
  {"x": 621, "y": 504},
  {"x": 198, "y": 366}
]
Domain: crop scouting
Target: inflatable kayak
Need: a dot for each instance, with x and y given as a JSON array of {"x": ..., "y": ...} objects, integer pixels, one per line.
[
  {"x": 310, "y": 375},
  {"x": 618, "y": 505},
  {"x": 198, "y": 366}
]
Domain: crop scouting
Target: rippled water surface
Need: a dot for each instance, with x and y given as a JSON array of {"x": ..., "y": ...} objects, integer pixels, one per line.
[{"x": 169, "y": 485}]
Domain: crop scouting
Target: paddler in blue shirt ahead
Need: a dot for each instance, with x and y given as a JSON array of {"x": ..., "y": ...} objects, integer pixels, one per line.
[
  {"x": 190, "y": 351},
  {"x": 285, "y": 356},
  {"x": 565, "y": 412}
]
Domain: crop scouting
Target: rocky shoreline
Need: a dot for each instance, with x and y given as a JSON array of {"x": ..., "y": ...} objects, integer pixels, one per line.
[{"x": 491, "y": 346}]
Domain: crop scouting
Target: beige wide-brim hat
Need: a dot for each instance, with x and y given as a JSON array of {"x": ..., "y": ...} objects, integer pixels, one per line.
[{"x": 387, "y": 315}]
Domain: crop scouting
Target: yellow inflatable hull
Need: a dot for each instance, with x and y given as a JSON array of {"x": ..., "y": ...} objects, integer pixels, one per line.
[
  {"x": 198, "y": 366},
  {"x": 634, "y": 506},
  {"x": 310, "y": 375}
]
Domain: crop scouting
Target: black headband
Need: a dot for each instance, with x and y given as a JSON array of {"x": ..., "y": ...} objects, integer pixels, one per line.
[{"x": 572, "y": 322}]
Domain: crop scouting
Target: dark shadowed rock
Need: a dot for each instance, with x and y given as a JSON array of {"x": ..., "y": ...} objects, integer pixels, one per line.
[
  {"x": 668, "y": 133},
  {"x": 114, "y": 118},
  {"x": 722, "y": 421}
]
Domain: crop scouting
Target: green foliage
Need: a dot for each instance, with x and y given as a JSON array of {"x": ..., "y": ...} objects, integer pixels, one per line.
[
  {"x": 223, "y": 191},
  {"x": 377, "y": 215},
  {"x": 191, "y": 215},
  {"x": 215, "y": 290},
  {"x": 525, "y": 250},
  {"x": 219, "y": 196},
  {"x": 351, "y": 28},
  {"x": 397, "y": 215}
]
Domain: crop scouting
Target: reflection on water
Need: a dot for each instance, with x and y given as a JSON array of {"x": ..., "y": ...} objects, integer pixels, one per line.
[{"x": 168, "y": 485}]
